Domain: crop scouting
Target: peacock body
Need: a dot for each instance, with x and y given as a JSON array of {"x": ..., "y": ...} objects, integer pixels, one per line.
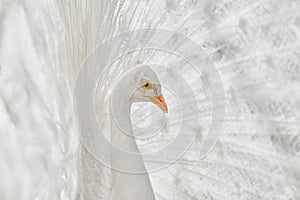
[{"x": 229, "y": 71}]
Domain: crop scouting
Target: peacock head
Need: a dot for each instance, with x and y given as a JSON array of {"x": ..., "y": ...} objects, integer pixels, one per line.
[{"x": 148, "y": 88}]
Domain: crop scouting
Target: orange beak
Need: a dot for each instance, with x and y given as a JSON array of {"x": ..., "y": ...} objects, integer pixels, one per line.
[{"x": 160, "y": 102}]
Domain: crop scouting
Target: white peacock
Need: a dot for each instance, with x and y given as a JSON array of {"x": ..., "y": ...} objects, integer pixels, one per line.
[
  {"x": 113, "y": 141},
  {"x": 140, "y": 85},
  {"x": 120, "y": 151},
  {"x": 254, "y": 45}
]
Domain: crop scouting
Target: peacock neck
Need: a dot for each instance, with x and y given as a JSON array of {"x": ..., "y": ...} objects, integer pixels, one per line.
[
  {"x": 121, "y": 128},
  {"x": 126, "y": 186}
]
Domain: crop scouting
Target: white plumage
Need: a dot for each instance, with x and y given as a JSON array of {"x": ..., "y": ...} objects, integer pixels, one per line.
[{"x": 253, "y": 45}]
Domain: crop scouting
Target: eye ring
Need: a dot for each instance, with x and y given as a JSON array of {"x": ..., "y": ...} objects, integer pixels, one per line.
[{"x": 146, "y": 85}]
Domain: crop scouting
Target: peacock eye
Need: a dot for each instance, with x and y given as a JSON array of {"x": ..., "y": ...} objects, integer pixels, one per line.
[{"x": 146, "y": 85}]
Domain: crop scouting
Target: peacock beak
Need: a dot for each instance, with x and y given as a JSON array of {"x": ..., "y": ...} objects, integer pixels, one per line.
[{"x": 160, "y": 102}]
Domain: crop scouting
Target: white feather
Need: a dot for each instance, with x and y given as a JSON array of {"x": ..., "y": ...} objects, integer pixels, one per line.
[{"x": 254, "y": 46}]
